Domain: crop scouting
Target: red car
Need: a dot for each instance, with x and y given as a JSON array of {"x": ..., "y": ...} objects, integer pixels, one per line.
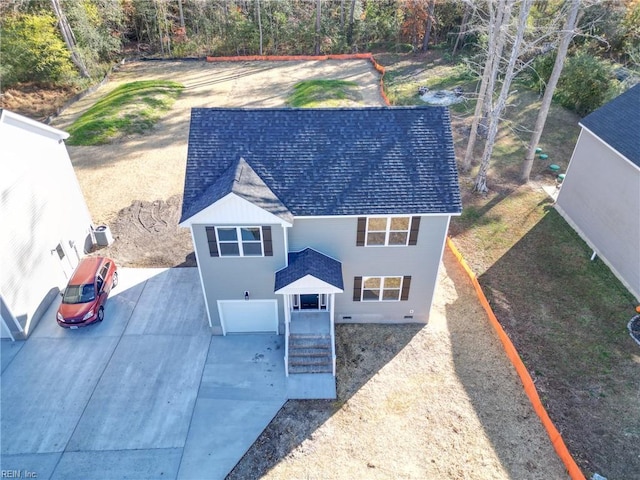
[{"x": 86, "y": 294}]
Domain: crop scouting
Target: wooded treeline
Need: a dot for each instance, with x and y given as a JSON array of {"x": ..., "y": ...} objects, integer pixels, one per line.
[
  {"x": 56, "y": 40},
  {"x": 50, "y": 40}
]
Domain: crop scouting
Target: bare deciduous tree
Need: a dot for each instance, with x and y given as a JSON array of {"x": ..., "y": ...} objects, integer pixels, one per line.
[
  {"x": 69, "y": 38},
  {"x": 469, "y": 9},
  {"x": 497, "y": 15},
  {"x": 480, "y": 184},
  {"x": 567, "y": 35}
]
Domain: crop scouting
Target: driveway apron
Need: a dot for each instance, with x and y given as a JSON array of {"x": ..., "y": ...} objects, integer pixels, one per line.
[{"x": 147, "y": 393}]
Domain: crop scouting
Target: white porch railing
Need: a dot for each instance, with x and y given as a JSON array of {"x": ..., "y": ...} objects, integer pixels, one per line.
[
  {"x": 286, "y": 348},
  {"x": 333, "y": 347},
  {"x": 333, "y": 332},
  {"x": 287, "y": 320}
]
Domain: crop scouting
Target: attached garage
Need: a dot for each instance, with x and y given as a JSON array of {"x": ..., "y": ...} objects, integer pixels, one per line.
[{"x": 248, "y": 316}]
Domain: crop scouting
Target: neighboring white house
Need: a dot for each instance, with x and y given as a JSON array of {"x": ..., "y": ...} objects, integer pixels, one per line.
[
  {"x": 600, "y": 196},
  {"x": 45, "y": 223}
]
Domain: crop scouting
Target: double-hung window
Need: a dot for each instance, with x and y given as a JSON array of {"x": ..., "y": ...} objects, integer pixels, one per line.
[
  {"x": 239, "y": 241},
  {"x": 387, "y": 231},
  {"x": 381, "y": 289},
  {"x": 228, "y": 241}
]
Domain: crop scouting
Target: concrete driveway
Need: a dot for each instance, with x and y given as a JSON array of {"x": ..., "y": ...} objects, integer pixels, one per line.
[{"x": 148, "y": 393}]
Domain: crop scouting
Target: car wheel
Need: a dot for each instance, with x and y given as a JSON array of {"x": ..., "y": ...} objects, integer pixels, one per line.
[
  {"x": 114, "y": 282},
  {"x": 101, "y": 314}
]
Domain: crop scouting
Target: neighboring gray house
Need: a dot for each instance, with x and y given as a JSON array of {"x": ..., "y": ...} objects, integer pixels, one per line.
[
  {"x": 600, "y": 195},
  {"x": 301, "y": 218},
  {"x": 44, "y": 220}
]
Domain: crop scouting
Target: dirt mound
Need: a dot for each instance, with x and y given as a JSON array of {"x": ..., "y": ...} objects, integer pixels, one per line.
[{"x": 146, "y": 234}]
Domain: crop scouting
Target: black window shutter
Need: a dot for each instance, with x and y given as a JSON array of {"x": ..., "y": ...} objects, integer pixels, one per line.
[
  {"x": 267, "y": 242},
  {"x": 406, "y": 285},
  {"x": 213, "y": 244},
  {"x": 362, "y": 231},
  {"x": 415, "y": 227},
  {"x": 357, "y": 289}
]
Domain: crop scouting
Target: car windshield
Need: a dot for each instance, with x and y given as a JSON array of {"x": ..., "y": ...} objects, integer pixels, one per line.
[{"x": 79, "y": 293}]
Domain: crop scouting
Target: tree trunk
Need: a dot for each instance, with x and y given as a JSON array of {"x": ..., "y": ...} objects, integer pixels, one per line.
[
  {"x": 318, "y": 9},
  {"x": 567, "y": 36},
  {"x": 487, "y": 73},
  {"x": 69, "y": 39},
  {"x": 259, "y": 25},
  {"x": 480, "y": 184},
  {"x": 350, "y": 29},
  {"x": 429, "y": 24},
  {"x": 468, "y": 10},
  {"x": 181, "y": 14},
  {"x": 342, "y": 16},
  {"x": 504, "y": 18},
  {"x": 159, "y": 29}
]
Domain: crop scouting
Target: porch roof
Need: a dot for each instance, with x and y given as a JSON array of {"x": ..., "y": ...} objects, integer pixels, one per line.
[{"x": 310, "y": 263}]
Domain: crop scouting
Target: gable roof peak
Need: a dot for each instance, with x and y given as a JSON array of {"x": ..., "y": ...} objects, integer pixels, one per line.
[{"x": 242, "y": 180}]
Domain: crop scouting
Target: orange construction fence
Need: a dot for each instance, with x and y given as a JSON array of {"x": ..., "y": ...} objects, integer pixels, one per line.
[
  {"x": 523, "y": 373},
  {"x": 290, "y": 58}
]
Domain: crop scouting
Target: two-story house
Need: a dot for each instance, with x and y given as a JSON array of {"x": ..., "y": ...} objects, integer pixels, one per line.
[{"x": 302, "y": 218}]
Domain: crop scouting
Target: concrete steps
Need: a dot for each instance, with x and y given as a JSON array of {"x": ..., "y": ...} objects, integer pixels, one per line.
[{"x": 310, "y": 353}]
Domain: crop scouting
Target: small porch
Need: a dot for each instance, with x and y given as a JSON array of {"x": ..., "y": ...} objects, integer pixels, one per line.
[
  {"x": 311, "y": 346},
  {"x": 310, "y": 359},
  {"x": 309, "y": 322},
  {"x": 308, "y": 285}
]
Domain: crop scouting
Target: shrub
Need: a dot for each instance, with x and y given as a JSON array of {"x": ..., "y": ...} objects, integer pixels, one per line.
[
  {"x": 586, "y": 83},
  {"x": 541, "y": 71},
  {"x": 32, "y": 50}
]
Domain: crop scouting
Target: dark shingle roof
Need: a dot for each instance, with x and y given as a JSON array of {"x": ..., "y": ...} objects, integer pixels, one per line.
[
  {"x": 327, "y": 161},
  {"x": 618, "y": 124},
  {"x": 242, "y": 180},
  {"x": 310, "y": 262}
]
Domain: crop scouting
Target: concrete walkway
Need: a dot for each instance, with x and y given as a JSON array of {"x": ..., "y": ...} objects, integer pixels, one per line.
[{"x": 148, "y": 393}]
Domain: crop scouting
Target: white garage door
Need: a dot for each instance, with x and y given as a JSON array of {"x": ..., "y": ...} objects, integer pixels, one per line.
[{"x": 244, "y": 316}]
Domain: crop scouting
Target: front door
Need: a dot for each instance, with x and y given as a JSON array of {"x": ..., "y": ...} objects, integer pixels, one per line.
[{"x": 309, "y": 301}]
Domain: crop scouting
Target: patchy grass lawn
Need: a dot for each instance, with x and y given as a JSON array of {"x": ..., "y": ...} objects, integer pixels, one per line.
[
  {"x": 324, "y": 93},
  {"x": 566, "y": 315},
  {"x": 130, "y": 108}
]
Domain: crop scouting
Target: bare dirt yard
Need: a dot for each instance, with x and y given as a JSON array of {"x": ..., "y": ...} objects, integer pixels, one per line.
[
  {"x": 134, "y": 185},
  {"x": 439, "y": 401},
  {"x": 435, "y": 402}
]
